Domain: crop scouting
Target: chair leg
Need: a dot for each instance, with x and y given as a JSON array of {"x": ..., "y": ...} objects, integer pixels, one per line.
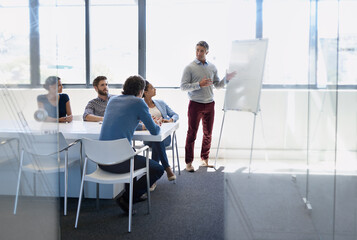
[
  {"x": 65, "y": 182},
  {"x": 79, "y": 204},
  {"x": 81, "y": 192},
  {"x": 173, "y": 156},
  {"x": 34, "y": 184},
  {"x": 97, "y": 194},
  {"x": 177, "y": 156},
  {"x": 148, "y": 183},
  {"x": 18, "y": 181},
  {"x": 131, "y": 192}
]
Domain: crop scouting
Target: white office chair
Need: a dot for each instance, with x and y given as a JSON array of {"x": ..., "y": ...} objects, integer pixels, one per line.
[
  {"x": 44, "y": 156},
  {"x": 109, "y": 153},
  {"x": 8, "y": 142}
]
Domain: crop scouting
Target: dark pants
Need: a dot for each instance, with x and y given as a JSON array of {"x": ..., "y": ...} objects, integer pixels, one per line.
[
  {"x": 196, "y": 112},
  {"x": 139, "y": 186},
  {"x": 159, "y": 151}
]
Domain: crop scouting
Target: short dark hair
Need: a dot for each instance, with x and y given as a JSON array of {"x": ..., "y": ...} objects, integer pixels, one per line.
[
  {"x": 146, "y": 86},
  {"x": 51, "y": 80},
  {"x": 98, "y": 79},
  {"x": 133, "y": 85},
  {"x": 203, "y": 44}
]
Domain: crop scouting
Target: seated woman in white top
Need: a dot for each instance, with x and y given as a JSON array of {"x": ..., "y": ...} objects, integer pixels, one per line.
[{"x": 160, "y": 111}]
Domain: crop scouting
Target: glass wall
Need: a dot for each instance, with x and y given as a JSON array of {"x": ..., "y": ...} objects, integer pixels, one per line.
[
  {"x": 347, "y": 51},
  {"x": 330, "y": 176},
  {"x": 29, "y": 195}
]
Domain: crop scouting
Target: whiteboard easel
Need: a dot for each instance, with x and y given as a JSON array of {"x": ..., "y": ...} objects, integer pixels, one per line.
[{"x": 243, "y": 91}]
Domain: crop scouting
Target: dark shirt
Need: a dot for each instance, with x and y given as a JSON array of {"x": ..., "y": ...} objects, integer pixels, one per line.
[{"x": 52, "y": 110}]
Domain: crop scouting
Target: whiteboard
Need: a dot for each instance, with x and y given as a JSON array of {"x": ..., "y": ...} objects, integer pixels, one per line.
[{"x": 247, "y": 60}]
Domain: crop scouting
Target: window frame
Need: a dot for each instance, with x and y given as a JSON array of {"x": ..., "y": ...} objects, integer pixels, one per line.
[{"x": 35, "y": 49}]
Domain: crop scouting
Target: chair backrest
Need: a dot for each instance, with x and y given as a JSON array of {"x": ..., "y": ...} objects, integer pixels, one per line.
[
  {"x": 42, "y": 144},
  {"x": 8, "y": 149},
  {"x": 108, "y": 152}
]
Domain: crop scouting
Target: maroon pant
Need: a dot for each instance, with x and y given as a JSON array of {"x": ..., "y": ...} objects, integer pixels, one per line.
[{"x": 196, "y": 112}]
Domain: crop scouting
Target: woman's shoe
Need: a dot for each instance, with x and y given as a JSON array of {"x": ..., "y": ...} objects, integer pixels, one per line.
[
  {"x": 170, "y": 174},
  {"x": 172, "y": 178},
  {"x": 153, "y": 186}
]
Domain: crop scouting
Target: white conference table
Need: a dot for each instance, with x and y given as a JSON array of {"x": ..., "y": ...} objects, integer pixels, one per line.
[{"x": 78, "y": 130}]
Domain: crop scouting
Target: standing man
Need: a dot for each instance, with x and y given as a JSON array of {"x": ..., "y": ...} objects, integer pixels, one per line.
[
  {"x": 198, "y": 80},
  {"x": 94, "y": 111}
]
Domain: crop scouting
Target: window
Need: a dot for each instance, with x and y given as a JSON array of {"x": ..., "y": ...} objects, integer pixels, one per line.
[
  {"x": 14, "y": 42},
  {"x": 336, "y": 19},
  {"x": 286, "y": 25},
  {"x": 174, "y": 28},
  {"x": 114, "y": 39},
  {"x": 299, "y": 51},
  {"x": 62, "y": 40}
]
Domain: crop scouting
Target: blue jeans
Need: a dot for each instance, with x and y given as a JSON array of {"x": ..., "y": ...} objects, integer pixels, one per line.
[
  {"x": 159, "y": 151},
  {"x": 139, "y": 186}
]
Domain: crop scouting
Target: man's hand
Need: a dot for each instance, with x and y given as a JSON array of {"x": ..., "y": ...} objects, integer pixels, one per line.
[
  {"x": 205, "y": 82},
  {"x": 230, "y": 75}
]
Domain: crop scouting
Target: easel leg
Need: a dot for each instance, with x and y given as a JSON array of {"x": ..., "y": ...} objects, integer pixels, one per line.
[
  {"x": 219, "y": 141},
  {"x": 263, "y": 133},
  {"x": 251, "y": 147}
]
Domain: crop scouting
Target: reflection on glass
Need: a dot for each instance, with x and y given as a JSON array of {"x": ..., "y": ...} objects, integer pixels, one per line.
[{"x": 37, "y": 213}]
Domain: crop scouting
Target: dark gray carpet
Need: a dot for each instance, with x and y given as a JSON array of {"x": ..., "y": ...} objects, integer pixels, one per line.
[
  {"x": 36, "y": 218},
  {"x": 270, "y": 207},
  {"x": 193, "y": 208}
]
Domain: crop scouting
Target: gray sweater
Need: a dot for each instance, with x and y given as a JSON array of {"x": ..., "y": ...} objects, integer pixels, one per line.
[{"x": 191, "y": 77}]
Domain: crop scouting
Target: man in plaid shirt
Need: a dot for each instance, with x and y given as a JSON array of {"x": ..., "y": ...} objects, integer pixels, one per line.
[{"x": 94, "y": 111}]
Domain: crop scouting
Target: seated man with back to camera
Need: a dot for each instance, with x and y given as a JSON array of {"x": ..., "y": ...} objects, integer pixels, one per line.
[
  {"x": 94, "y": 111},
  {"x": 122, "y": 117}
]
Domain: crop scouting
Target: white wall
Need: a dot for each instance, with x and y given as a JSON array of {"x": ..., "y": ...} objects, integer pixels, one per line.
[{"x": 283, "y": 117}]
